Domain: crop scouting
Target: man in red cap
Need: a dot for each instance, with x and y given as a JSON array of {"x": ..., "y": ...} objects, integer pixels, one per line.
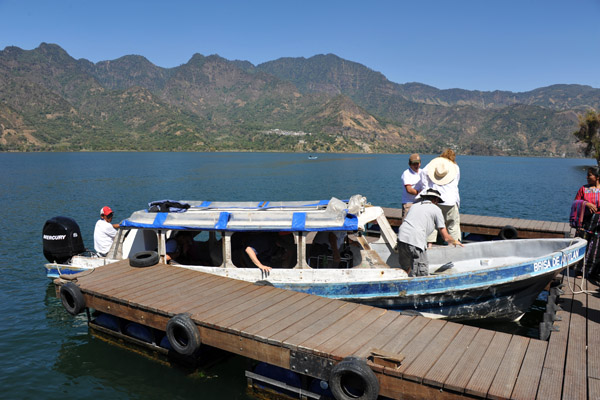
[{"x": 104, "y": 232}]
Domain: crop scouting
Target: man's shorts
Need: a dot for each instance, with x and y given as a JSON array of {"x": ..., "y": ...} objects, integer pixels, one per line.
[{"x": 413, "y": 260}]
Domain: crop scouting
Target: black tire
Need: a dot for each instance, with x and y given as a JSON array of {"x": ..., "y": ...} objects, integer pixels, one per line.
[
  {"x": 183, "y": 334},
  {"x": 144, "y": 259},
  {"x": 72, "y": 298},
  {"x": 352, "y": 378},
  {"x": 263, "y": 283},
  {"x": 508, "y": 232}
]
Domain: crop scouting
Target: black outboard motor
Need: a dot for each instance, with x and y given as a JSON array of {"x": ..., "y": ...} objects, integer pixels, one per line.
[{"x": 62, "y": 239}]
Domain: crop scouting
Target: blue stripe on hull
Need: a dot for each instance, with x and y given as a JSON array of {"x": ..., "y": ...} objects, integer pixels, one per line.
[{"x": 503, "y": 292}]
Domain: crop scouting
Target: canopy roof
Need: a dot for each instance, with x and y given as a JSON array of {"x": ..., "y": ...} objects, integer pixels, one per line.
[{"x": 293, "y": 216}]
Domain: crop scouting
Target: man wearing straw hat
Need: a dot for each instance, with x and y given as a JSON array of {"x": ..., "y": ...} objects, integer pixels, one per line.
[
  {"x": 423, "y": 218},
  {"x": 442, "y": 174}
]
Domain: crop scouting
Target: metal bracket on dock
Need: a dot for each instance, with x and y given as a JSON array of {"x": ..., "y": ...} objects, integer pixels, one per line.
[{"x": 311, "y": 365}]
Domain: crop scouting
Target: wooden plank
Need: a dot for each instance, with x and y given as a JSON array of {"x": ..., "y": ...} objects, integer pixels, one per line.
[
  {"x": 271, "y": 313},
  {"x": 593, "y": 341},
  {"x": 241, "y": 300},
  {"x": 120, "y": 273},
  {"x": 413, "y": 348},
  {"x": 395, "y": 330},
  {"x": 397, "y": 343},
  {"x": 575, "y": 367},
  {"x": 136, "y": 276},
  {"x": 354, "y": 332},
  {"x": 289, "y": 321},
  {"x": 275, "y": 355},
  {"x": 506, "y": 377},
  {"x": 368, "y": 334},
  {"x": 233, "y": 316},
  {"x": 149, "y": 287},
  {"x": 278, "y": 321},
  {"x": 319, "y": 325},
  {"x": 482, "y": 378},
  {"x": 531, "y": 370},
  {"x": 593, "y": 388},
  {"x": 337, "y": 330},
  {"x": 429, "y": 356},
  {"x": 316, "y": 312},
  {"x": 90, "y": 277},
  {"x": 196, "y": 283},
  {"x": 436, "y": 376},
  {"x": 462, "y": 372},
  {"x": 178, "y": 305},
  {"x": 551, "y": 382}
]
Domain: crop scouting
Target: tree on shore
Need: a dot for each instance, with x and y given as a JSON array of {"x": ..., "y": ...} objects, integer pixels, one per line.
[{"x": 589, "y": 134}]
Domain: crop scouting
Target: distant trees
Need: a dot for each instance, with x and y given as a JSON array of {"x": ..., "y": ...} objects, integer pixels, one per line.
[{"x": 589, "y": 133}]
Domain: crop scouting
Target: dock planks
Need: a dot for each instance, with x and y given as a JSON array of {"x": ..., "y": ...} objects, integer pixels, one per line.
[
  {"x": 484, "y": 225},
  {"x": 439, "y": 358}
]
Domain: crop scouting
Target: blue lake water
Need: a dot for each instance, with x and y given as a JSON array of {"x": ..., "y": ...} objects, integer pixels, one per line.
[{"x": 46, "y": 353}]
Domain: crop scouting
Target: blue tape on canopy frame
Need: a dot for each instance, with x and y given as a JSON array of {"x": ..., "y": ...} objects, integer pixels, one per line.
[
  {"x": 223, "y": 220},
  {"x": 298, "y": 221}
]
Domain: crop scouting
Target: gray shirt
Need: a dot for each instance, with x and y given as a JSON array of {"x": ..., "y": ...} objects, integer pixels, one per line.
[{"x": 422, "y": 219}]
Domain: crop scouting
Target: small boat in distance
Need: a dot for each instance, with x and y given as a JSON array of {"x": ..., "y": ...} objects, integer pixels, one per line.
[
  {"x": 312, "y": 157},
  {"x": 494, "y": 279}
]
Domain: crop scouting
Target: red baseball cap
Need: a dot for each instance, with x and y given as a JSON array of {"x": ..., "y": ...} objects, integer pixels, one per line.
[{"x": 106, "y": 211}]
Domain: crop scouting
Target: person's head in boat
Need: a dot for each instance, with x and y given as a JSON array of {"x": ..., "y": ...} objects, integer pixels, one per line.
[{"x": 432, "y": 195}]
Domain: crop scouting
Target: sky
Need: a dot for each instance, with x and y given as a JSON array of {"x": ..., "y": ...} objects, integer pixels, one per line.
[{"x": 514, "y": 45}]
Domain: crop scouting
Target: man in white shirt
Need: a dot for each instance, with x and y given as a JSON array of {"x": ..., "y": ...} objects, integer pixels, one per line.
[
  {"x": 412, "y": 182},
  {"x": 104, "y": 232}
]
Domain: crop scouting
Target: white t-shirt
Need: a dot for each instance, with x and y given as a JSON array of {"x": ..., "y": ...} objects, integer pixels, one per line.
[
  {"x": 422, "y": 219},
  {"x": 410, "y": 177},
  {"x": 104, "y": 233},
  {"x": 449, "y": 191}
]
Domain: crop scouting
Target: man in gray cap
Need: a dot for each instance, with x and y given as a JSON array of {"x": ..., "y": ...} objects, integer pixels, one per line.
[
  {"x": 423, "y": 218},
  {"x": 413, "y": 184}
]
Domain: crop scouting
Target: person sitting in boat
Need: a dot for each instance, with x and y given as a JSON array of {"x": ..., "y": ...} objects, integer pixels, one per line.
[
  {"x": 328, "y": 243},
  {"x": 258, "y": 250},
  {"x": 189, "y": 252},
  {"x": 172, "y": 250},
  {"x": 423, "y": 218},
  {"x": 104, "y": 231}
]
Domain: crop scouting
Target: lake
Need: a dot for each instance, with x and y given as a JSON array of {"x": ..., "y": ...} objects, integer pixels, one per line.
[{"x": 46, "y": 353}]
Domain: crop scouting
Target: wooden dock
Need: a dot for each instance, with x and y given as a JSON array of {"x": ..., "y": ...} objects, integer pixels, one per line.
[
  {"x": 484, "y": 225},
  {"x": 310, "y": 334}
]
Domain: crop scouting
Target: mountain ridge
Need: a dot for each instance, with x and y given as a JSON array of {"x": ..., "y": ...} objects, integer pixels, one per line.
[{"x": 50, "y": 101}]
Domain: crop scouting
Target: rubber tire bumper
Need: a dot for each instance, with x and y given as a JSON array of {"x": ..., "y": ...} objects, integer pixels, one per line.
[
  {"x": 72, "y": 298},
  {"x": 508, "y": 232},
  {"x": 144, "y": 259},
  {"x": 352, "y": 378},
  {"x": 183, "y": 334}
]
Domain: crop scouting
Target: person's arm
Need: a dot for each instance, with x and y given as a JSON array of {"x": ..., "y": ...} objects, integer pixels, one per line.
[
  {"x": 448, "y": 238},
  {"x": 411, "y": 190},
  {"x": 255, "y": 260}
]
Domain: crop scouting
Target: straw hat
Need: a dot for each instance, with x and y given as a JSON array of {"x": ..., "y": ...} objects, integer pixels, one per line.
[{"x": 441, "y": 171}]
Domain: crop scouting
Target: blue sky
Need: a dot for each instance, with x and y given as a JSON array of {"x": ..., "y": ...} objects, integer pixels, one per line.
[{"x": 515, "y": 45}]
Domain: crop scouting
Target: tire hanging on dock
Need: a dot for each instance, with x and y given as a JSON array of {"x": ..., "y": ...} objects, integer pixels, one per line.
[
  {"x": 72, "y": 298},
  {"x": 183, "y": 334},
  {"x": 508, "y": 232},
  {"x": 144, "y": 259},
  {"x": 352, "y": 378}
]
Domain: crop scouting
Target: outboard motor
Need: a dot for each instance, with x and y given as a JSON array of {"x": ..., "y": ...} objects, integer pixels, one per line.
[{"x": 62, "y": 239}]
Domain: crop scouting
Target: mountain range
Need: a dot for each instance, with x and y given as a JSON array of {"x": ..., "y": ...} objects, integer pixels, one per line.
[{"x": 50, "y": 101}]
